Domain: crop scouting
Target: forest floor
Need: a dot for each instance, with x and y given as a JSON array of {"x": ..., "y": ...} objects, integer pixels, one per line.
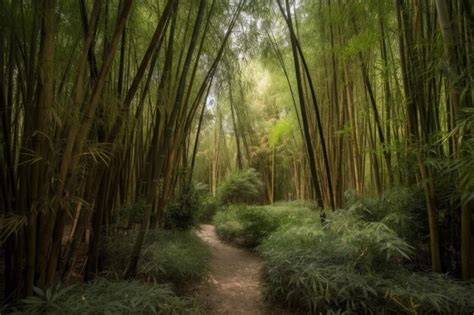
[{"x": 233, "y": 286}]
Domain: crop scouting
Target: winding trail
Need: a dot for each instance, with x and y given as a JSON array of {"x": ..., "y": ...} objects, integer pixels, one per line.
[{"x": 233, "y": 286}]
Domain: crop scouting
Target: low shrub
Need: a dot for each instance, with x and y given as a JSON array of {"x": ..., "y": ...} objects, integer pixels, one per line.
[
  {"x": 245, "y": 225},
  {"x": 358, "y": 262},
  {"x": 317, "y": 286},
  {"x": 257, "y": 223},
  {"x": 404, "y": 211},
  {"x": 182, "y": 212},
  {"x": 103, "y": 296},
  {"x": 401, "y": 209},
  {"x": 132, "y": 214},
  {"x": 207, "y": 210},
  {"x": 228, "y": 225},
  {"x": 241, "y": 187},
  {"x": 352, "y": 265},
  {"x": 249, "y": 225},
  {"x": 180, "y": 258},
  {"x": 428, "y": 293},
  {"x": 168, "y": 256}
]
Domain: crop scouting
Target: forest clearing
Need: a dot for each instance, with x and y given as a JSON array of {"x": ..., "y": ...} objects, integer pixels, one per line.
[{"x": 236, "y": 157}]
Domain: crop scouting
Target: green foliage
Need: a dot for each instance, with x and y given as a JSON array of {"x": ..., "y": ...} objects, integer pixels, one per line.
[
  {"x": 288, "y": 207},
  {"x": 282, "y": 128},
  {"x": 464, "y": 164},
  {"x": 103, "y": 296},
  {"x": 133, "y": 213},
  {"x": 401, "y": 209},
  {"x": 181, "y": 258},
  {"x": 168, "y": 256},
  {"x": 249, "y": 225},
  {"x": 10, "y": 224},
  {"x": 257, "y": 223},
  {"x": 191, "y": 207},
  {"x": 323, "y": 280},
  {"x": 355, "y": 263},
  {"x": 182, "y": 212},
  {"x": 228, "y": 225},
  {"x": 240, "y": 187},
  {"x": 429, "y": 293},
  {"x": 207, "y": 210}
]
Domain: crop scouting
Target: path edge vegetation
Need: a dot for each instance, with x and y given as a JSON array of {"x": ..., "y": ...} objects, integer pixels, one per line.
[{"x": 114, "y": 114}]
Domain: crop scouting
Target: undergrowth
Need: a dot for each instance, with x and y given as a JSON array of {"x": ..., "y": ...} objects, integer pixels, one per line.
[
  {"x": 249, "y": 225},
  {"x": 240, "y": 187},
  {"x": 208, "y": 210},
  {"x": 183, "y": 212},
  {"x": 360, "y": 261},
  {"x": 177, "y": 257},
  {"x": 103, "y": 296}
]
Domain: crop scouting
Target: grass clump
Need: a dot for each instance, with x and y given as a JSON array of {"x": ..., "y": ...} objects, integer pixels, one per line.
[
  {"x": 173, "y": 256},
  {"x": 103, "y": 296}
]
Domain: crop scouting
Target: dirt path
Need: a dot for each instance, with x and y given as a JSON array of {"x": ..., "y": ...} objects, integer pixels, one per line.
[{"x": 233, "y": 286}]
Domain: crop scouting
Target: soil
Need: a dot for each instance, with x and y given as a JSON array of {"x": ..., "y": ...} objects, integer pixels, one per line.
[{"x": 234, "y": 285}]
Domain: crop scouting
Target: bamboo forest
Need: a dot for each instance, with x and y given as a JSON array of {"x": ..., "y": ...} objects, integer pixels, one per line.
[{"x": 237, "y": 157}]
